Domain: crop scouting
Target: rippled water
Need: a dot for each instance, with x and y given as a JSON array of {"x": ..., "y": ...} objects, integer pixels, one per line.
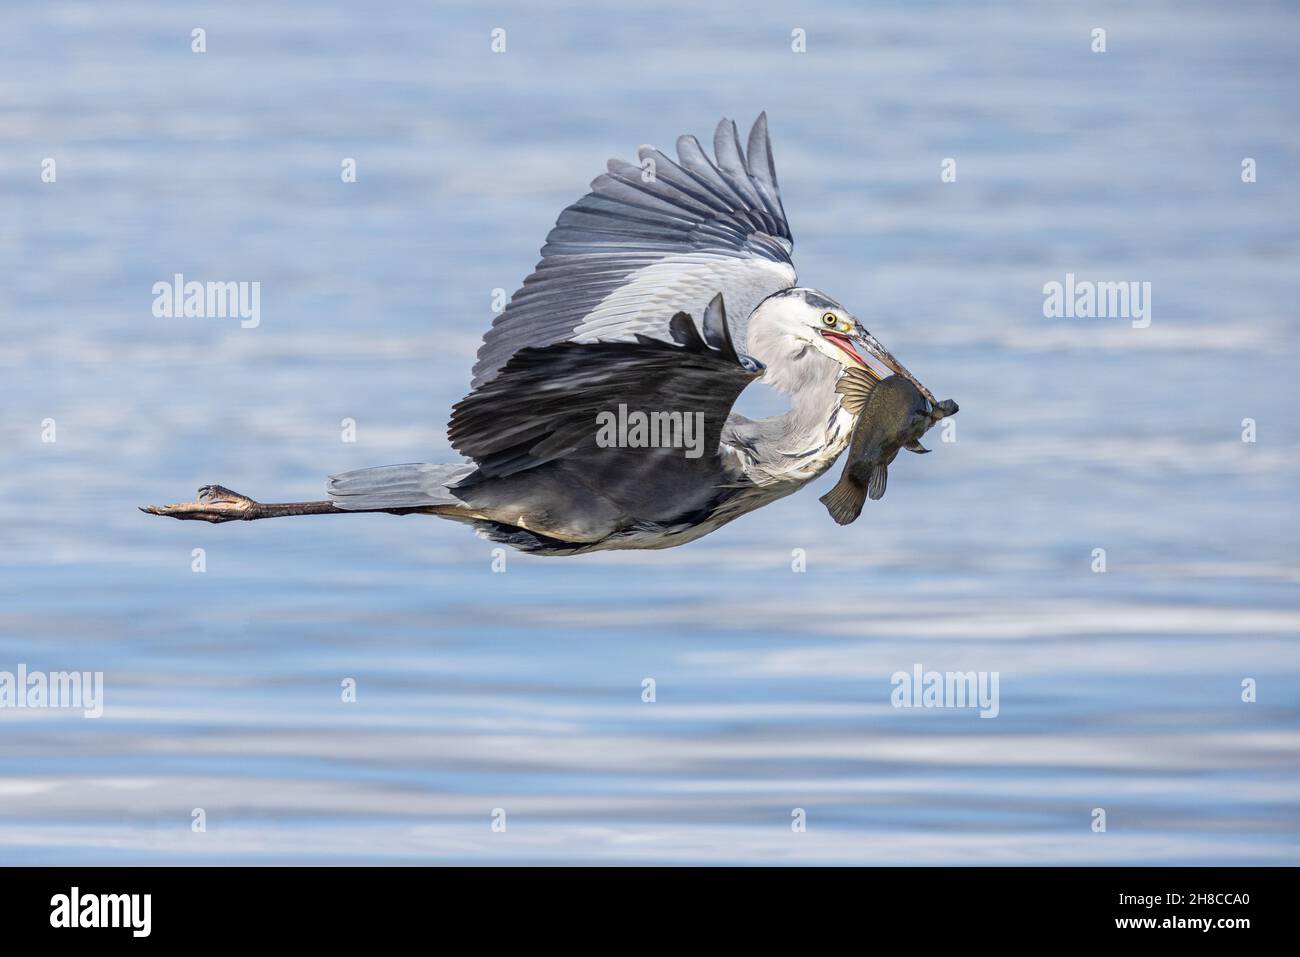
[{"x": 522, "y": 690}]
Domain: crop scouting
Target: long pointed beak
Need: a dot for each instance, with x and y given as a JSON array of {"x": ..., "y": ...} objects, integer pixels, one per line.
[{"x": 880, "y": 362}]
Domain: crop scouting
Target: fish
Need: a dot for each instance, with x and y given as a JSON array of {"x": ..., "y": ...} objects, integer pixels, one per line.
[{"x": 892, "y": 415}]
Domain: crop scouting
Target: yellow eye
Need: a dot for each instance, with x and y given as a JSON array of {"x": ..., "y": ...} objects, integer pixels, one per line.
[{"x": 830, "y": 319}]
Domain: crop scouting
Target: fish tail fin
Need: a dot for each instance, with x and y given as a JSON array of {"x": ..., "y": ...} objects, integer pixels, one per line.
[{"x": 844, "y": 501}]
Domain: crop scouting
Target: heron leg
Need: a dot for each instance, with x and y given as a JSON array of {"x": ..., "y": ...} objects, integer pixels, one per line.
[{"x": 216, "y": 503}]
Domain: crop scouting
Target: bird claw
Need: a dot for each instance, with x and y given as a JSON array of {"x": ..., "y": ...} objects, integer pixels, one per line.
[
  {"x": 213, "y": 503},
  {"x": 220, "y": 495}
]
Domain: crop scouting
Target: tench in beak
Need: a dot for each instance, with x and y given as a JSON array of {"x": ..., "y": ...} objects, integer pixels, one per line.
[{"x": 892, "y": 415}]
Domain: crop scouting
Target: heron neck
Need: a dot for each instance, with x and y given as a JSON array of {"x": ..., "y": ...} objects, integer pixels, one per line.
[
  {"x": 804, "y": 442},
  {"x": 812, "y": 422}
]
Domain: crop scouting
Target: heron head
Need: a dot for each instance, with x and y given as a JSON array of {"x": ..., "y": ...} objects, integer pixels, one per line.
[{"x": 809, "y": 319}]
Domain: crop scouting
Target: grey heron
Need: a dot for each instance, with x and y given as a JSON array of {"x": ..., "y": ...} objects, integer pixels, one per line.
[{"x": 645, "y": 287}]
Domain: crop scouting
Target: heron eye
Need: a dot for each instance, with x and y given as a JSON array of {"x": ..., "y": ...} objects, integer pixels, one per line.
[{"x": 830, "y": 319}]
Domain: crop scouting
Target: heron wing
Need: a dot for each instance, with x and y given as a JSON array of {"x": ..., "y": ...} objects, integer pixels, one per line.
[
  {"x": 547, "y": 403},
  {"x": 650, "y": 241}
]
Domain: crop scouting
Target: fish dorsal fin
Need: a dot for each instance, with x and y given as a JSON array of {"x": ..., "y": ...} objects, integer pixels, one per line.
[{"x": 856, "y": 386}]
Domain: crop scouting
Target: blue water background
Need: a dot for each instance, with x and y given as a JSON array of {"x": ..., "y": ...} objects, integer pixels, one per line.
[{"x": 523, "y": 691}]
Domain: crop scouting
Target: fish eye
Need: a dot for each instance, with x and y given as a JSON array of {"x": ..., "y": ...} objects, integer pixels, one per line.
[{"x": 830, "y": 319}]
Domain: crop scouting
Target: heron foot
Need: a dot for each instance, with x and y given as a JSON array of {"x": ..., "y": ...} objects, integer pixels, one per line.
[{"x": 213, "y": 503}]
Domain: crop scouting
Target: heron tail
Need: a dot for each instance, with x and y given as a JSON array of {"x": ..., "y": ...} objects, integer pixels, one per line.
[{"x": 416, "y": 485}]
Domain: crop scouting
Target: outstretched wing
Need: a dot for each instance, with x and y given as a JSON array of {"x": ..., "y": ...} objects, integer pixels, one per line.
[
  {"x": 549, "y": 404},
  {"x": 650, "y": 241}
]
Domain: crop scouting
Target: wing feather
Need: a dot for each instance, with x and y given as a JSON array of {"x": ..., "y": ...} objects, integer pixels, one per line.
[
  {"x": 640, "y": 248},
  {"x": 545, "y": 403}
]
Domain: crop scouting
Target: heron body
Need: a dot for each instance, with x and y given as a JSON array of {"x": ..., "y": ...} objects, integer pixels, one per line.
[{"x": 667, "y": 290}]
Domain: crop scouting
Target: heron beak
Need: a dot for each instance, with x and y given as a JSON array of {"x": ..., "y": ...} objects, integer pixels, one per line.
[{"x": 878, "y": 360}]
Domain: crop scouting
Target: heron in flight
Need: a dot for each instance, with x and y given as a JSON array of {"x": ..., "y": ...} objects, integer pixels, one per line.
[{"x": 666, "y": 290}]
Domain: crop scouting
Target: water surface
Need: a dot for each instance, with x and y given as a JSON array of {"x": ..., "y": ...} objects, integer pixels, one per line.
[{"x": 523, "y": 691}]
